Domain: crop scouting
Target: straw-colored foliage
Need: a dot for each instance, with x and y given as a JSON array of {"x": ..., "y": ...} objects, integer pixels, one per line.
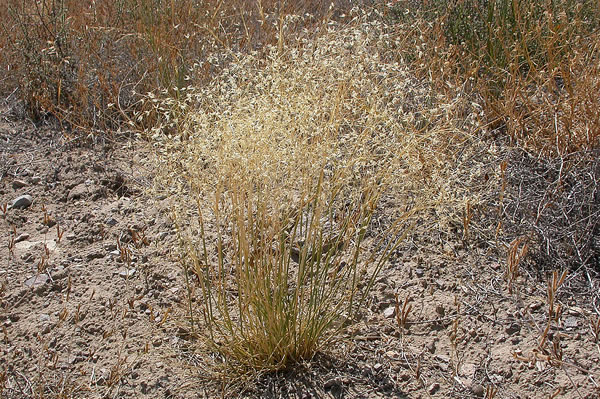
[{"x": 285, "y": 161}]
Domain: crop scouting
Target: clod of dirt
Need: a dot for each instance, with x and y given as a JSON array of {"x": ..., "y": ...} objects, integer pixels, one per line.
[{"x": 77, "y": 192}]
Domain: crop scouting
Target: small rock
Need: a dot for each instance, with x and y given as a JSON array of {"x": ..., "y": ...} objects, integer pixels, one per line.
[
  {"x": 389, "y": 312},
  {"x": 536, "y": 306},
  {"x": 110, "y": 247},
  {"x": 21, "y": 237},
  {"x": 431, "y": 347},
  {"x": 419, "y": 272},
  {"x": 440, "y": 310},
  {"x": 22, "y": 202},
  {"x": 44, "y": 318},
  {"x": 18, "y": 184},
  {"x": 115, "y": 253},
  {"x": 478, "y": 390},
  {"x": 59, "y": 273},
  {"x": 111, "y": 221},
  {"x": 513, "y": 329},
  {"x": 125, "y": 273},
  {"x": 433, "y": 388},
  {"x": 37, "y": 281},
  {"x": 95, "y": 255},
  {"x": 35, "y": 180},
  {"x": 377, "y": 366},
  {"x": 74, "y": 358},
  {"x": 571, "y": 323},
  {"x": 172, "y": 276},
  {"x": 468, "y": 370}
]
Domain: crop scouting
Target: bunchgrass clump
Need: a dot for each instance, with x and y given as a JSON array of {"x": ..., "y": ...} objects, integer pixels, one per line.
[
  {"x": 277, "y": 287},
  {"x": 277, "y": 171}
]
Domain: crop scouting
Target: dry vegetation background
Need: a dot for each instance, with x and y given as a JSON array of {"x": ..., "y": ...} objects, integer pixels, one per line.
[{"x": 307, "y": 146}]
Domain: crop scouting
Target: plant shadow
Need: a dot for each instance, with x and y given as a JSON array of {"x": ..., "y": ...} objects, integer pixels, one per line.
[{"x": 327, "y": 376}]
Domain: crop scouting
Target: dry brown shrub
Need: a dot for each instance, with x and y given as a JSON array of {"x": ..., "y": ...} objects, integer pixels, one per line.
[
  {"x": 531, "y": 78},
  {"x": 87, "y": 63}
]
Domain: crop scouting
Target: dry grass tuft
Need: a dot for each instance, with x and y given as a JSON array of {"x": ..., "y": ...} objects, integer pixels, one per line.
[
  {"x": 282, "y": 288},
  {"x": 281, "y": 157}
]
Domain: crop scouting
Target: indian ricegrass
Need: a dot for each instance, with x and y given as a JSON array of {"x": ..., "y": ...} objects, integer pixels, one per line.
[{"x": 276, "y": 288}]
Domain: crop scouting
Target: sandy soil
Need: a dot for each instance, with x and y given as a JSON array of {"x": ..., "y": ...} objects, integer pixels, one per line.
[{"x": 92, "y": 301}]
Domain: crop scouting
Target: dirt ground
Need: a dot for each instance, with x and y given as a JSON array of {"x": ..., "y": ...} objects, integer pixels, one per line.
[{"x": 92, "y": 301}]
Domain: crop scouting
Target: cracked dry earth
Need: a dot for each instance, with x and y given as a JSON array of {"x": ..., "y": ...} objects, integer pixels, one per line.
[{"x": 92, "y": 302}]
